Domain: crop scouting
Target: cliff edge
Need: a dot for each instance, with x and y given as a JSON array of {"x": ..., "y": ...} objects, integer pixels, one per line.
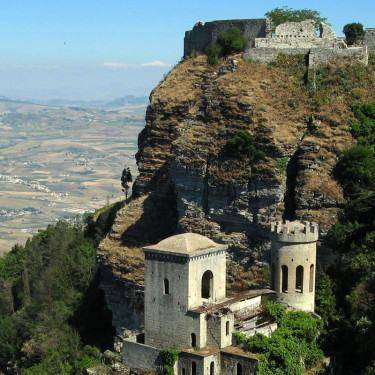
[{"x": 188, "y": 182}]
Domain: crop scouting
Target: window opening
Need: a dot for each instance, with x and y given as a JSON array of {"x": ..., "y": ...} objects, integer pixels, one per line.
[
  {"x": 284, "y": 278},
  {"x": 311, "y": 283},
  {"x": 193, "y": 340},
  {"x": 166, "y": 286},
  {"x": 299, "y": 279},
  {"x": 212, "y": 368},
  {"x": 207, "y": 284}
]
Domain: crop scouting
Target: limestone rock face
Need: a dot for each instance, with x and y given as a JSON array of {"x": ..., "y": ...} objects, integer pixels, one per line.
[{"x": 182, "y": 152}]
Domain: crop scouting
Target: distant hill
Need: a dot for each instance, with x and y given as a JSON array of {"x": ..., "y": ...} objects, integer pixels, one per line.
[
  {"x": 125, "y": 101},
  {"x": 120, "y": 102}
]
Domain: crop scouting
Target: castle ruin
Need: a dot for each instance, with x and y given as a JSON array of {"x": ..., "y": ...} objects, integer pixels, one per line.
[
  {"x": 186, "y": 305},
  {"x": 289, "y": 38}
]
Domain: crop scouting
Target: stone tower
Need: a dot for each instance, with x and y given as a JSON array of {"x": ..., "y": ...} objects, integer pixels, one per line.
[
  {"x": 293, "y": 260},
  {"x": 182, "y": 272}
]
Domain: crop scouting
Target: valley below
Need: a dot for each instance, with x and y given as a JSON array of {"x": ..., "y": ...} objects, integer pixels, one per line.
[{"x": 58, "y": 162}]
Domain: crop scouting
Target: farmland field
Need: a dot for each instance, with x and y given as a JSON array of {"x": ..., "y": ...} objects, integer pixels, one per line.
[{"x": 58, "y": 162}]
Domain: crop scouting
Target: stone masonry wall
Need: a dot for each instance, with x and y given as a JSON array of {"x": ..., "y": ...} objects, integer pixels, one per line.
[
  {"x": 370, "y": 40},
  {"x": 319, "y": 56},
  {"x": 141, "y": 356},
  {"x": 204, "y": 34}
]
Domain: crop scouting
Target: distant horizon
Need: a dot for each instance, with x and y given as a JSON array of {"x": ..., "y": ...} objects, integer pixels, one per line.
[{"x": 95, "y": 50}]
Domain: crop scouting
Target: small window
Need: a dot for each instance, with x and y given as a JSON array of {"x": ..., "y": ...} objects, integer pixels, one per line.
[
  {"x": 227, "y": 328},
  {"x": 166, "y": 286},
  {"x": 239, "y": 369},
  {"x": 193, "y": 368},
  {"x": 193, "y": 340},
  {"x": 183, "y": 371}
]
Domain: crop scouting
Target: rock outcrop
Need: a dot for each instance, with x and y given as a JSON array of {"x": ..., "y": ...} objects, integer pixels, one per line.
[{"x": 188, "y": 182}]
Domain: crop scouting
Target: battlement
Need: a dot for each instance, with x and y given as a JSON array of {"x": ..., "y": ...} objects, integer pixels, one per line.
[{"x": 294, "y": 231}]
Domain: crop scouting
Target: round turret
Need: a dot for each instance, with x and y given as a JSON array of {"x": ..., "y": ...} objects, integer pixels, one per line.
[{"x": 293, "y": 259}]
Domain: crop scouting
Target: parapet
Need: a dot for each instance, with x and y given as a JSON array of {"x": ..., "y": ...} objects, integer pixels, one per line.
[{"x": 294, "y": 231}]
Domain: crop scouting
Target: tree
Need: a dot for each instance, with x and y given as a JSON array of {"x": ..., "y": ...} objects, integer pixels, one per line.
[
  {"x": 232, "y": 41},
  {"x": 353, "y": 32},
  {"x": 126, "y": 179},
  {"x": 286, "y": 14}
]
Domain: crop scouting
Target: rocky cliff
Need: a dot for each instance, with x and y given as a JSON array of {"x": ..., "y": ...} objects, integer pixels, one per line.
[{"x": 187, "y": 182}]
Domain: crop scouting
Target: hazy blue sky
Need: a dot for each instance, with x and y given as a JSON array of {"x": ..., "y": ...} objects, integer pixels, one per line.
[{"x": 90, "y": 49}]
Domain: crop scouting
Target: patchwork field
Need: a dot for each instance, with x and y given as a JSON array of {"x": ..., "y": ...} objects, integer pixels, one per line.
[{"x": 59, "y": 162}]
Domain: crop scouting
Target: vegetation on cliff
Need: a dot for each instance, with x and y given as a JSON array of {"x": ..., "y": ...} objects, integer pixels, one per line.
[
  {"x": 346, "y": 293},
  {"x": 292, "y": 348},
  {"x": 52, "y": 314}
]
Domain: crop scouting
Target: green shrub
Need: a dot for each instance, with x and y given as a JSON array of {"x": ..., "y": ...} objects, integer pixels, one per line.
[
  {"x": 292, "y": 347},
  {"x": 169, "y": 357},
  {"x": 212, "y": 52},
  {"x": 232, "y": 41},
  {"x": 356, "y": 169},
  {"x": 242, "y": 145},
  {"x": 353, "y": 32}
]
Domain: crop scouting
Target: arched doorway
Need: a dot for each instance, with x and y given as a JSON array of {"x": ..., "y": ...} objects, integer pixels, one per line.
[
  {"x": 239, "y": 369},
  {"x": 212, "y": 368},
  {"x": 207, "y": 284},
  {"x": 193, "y": 368}
]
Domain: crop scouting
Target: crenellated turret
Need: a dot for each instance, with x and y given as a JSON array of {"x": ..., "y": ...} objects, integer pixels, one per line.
[
  {"x": 293, "y": 259},
  {"x": 294, "y": 231}
]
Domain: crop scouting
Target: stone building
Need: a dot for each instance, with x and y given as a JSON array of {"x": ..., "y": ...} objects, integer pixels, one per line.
[{"x": 186, "y": 305}]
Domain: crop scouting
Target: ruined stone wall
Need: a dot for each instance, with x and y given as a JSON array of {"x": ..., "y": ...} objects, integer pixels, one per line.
[
  {"x": 204, "y": 34},
  {"x": 319, "y": 56},
  {"x": 301, "y": 35},
  {"x": 370, "y": 40},
  {"x": 315, "y": 56},
  {"x": 266, "y": 55}
]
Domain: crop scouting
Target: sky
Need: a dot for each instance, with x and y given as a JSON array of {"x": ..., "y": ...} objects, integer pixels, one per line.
[{"x": 101, "y": 50}]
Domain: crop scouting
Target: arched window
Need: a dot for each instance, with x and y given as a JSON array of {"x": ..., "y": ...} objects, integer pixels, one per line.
[
  {"x": 166, "y": 286},
  {"x": 273, "y": 270},
  {"x": 284, "y": 278},
  {"x": 239, "y": 369},
  {"x": 311, "y": 281},
  {"x": 212, "y": 368},
  {"x": 193, "y": 340},
  {"x": 227, "y": 328},
  {"x": 207, "y": 284},
  {"x": 299, "y": 279},
  {"x": 193, "y": 368}
]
